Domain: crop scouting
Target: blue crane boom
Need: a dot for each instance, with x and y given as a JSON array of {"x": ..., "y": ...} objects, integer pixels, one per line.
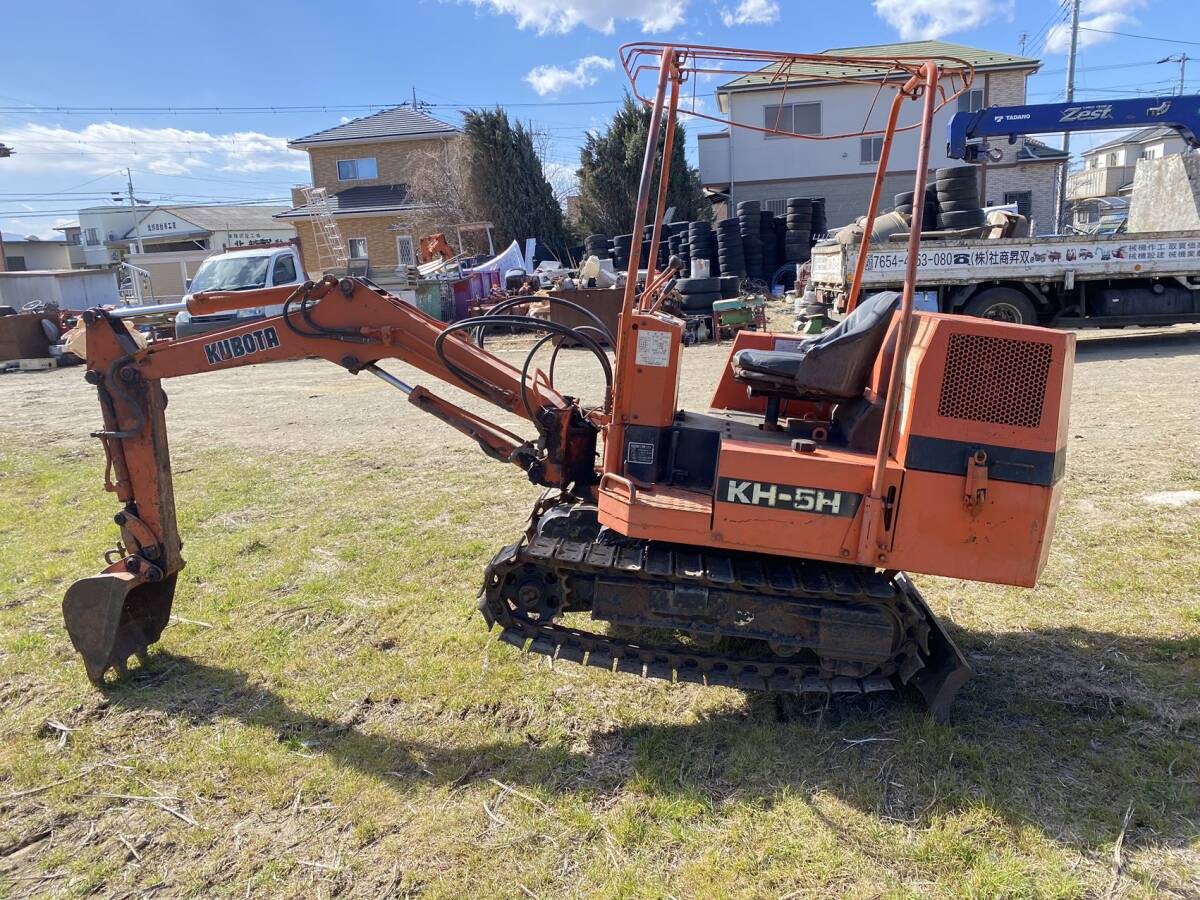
[{"x": 967, "y": 130}]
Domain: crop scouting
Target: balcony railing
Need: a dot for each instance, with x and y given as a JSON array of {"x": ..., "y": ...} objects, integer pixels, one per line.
[{"x": 1098, "y": 182}]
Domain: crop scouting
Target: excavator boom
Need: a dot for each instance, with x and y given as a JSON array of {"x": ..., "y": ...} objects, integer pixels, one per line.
[{"x": 123, "y": 610}]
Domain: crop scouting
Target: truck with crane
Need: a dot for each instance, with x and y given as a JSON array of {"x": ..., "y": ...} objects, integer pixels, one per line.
[{"x": 1076, "y": 281}]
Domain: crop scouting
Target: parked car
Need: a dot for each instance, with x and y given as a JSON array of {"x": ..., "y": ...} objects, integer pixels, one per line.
[{"x": 240, "y": 270}]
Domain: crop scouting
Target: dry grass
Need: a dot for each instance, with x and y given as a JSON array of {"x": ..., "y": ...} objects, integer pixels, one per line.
[{"x": 328, "y": 716}]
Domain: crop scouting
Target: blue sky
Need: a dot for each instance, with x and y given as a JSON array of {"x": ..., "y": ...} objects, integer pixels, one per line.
[{"x": 551, "y": 63}]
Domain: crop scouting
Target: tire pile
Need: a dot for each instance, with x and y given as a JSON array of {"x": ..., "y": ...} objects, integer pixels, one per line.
[
  {"x": 929, "y": 214},
  {"x": 597, "y": 245},
  {"x": 798, "y": 236},
  {"x": 958, "y": 197},
  {"x": 622, "y": 245},
  {"x": 749, "y": 215},
  {"x": 699, "y": 294},
  {"x": 771, "y": 257},
  {"x": 702, "y": 244},
  {"x": 730, "y": 256}
]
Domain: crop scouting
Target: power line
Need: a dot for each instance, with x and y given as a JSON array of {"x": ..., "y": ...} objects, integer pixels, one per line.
[{"x": 1140, "y": 37}]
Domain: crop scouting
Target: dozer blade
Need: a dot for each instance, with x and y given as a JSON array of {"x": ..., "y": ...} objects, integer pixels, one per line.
[{"x": 113, "y": 616}]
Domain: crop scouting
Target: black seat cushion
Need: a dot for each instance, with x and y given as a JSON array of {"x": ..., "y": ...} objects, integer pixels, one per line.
[{"x": 834, "y": 366}]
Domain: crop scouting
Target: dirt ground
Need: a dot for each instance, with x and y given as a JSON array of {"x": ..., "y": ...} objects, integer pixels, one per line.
[{"x": 319, "y": 721}]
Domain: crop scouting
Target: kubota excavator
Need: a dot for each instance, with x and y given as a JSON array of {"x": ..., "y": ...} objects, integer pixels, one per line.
[{"x": 782, "y": 518}]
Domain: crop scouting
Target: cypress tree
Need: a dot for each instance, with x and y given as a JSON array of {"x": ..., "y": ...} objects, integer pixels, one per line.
[
  {"x": 506, "y": 183},
  {"x": 611, "y": 167}
]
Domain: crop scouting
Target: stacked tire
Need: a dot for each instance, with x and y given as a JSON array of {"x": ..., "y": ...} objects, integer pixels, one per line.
[
  {"x": 958, "y": 197},
  {"x": 770, "y": 243},
  {"x": 677, "y": 243},
  {"x": 699, "y": 294},
  {"x": 730, "y": 253},
  {"x": 797, "y": 242},
  {"x": 622, "y": 247},
  {"x": 749, "y": 215},
  {"x": 905, "y": 203},
  {"x": 701, "y": 245},
  {"x": 819, "y": 224},
  {"x": 596, "y": 245}
]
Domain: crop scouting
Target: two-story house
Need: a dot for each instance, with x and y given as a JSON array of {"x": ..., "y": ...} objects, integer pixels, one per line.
[
  {"x": 739, "y": 164},
  {"x": 1102, "y": 186},
  {"x": 368, "y": 167}
]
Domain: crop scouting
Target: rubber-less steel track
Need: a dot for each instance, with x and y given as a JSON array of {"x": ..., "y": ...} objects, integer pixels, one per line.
[{"x": 831, "y": 629}]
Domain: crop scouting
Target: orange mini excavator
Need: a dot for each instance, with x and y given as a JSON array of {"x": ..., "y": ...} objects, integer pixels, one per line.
[{"x": 765, "y": 538}]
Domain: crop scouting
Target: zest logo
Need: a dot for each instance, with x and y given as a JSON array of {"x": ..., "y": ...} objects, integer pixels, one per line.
[{"x": 1087, "y": 113}]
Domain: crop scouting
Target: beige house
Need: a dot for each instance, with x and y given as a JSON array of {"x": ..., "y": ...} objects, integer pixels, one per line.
[
  {"x": 740, "y": 164},
  {"x": 379, "y": 173}
]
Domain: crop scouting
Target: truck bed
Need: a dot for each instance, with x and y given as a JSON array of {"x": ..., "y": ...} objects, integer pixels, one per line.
[{"x": 1014, "y": 259}]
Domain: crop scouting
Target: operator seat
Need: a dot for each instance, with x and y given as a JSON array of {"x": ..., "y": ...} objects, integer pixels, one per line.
[{"x": 832, "y": 367}]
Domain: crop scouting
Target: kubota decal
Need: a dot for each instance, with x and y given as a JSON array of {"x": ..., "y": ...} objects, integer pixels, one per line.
[
  {"x": 241, "y": 345},
  {"x": 788, "y": 496}
]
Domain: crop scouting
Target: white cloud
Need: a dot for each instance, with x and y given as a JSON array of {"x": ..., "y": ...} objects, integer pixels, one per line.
[
  {"x": 107, "y": 146},
  {"x": 929, "y": 19},
  {"x": 1106, "y": 15},
  {"x": 552, "y": 79},
  {"x": 562, "y": 16},
  {"x": 751, "y": 12}
]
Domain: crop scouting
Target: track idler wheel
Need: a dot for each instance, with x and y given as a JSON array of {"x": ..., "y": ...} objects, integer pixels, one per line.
[{"x": 115, "y": 615}]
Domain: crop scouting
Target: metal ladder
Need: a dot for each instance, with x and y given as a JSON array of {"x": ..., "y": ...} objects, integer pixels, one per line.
[{"x": 331, "y": 246}]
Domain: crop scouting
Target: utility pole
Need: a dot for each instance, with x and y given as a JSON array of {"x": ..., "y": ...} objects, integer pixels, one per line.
[
  {"x": 5, "y": 151},
  {"x": 1070, "y": 95},
  {"x": 1182, "y": 59},
  {"x": 1022, "y": 39},
  {"x": 137, "y": 227}
]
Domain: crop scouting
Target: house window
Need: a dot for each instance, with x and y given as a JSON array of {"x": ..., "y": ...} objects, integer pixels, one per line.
[
  {"x": 357, "y": 169},
  {"x": 870, "y": 150},
  {"x": 15, "y": 263},
  {"x": 793, "y": 118},
  {"x": 406, "y": 254},
  {"x": 72, "y": 238},
  {"x": 358, "y": 248},
  {"x": 1023, "y": 199},
  {"x": 92, "y": 237},
  {"x": 971, "y": 101},
  {"x": 778, "y": 206},
  {"x": 284, "y": 271},
  {"x": 1152, "y": 153},
  {"x": 1111, "y": 160},
  {"x": 1093, "y": 163}
]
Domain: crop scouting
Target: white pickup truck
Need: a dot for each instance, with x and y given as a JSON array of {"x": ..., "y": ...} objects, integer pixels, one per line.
[
  {"x": 1069, "y": 281},
  {"x": 269, "y": 265}
]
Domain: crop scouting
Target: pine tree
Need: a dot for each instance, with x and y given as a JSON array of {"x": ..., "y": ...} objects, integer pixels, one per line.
[
  {"x": 611, "y": 167},
  {"x": 506, "y": 183}
]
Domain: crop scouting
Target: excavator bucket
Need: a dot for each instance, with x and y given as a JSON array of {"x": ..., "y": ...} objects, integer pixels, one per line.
[{"x": 115, "y": 615}]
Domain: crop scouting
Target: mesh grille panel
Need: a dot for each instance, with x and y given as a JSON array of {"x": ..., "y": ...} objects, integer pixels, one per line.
[{"x": 998, "y": 380}]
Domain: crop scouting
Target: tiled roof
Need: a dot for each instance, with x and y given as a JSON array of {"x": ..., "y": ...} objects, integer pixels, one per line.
[
  {"x": 800, "y": 72},
  {"x": 1036, "y": 150},
  {"x": 1139, "y": 136},
  {"x": 398, "y": 122},
  {"x": 381, "y": 198},
  {"x": 223, "y": 218}
]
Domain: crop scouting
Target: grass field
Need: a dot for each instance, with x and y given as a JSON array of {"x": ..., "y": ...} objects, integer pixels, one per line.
[{"x": 327, "y": 715}]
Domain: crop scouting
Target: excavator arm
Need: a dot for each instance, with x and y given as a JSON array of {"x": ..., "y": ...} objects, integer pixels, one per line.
[{"x": 349, "y": 322}]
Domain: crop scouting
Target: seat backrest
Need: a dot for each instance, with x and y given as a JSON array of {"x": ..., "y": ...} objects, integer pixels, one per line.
[{"x": 839, "y": 362}]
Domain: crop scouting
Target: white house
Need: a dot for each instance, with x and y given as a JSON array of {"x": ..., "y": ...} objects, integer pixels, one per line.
[
  {"x": 739, "y": 164},
  {"x": 106, "y": 234},
  {"x": 1104, "y": 182}
]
